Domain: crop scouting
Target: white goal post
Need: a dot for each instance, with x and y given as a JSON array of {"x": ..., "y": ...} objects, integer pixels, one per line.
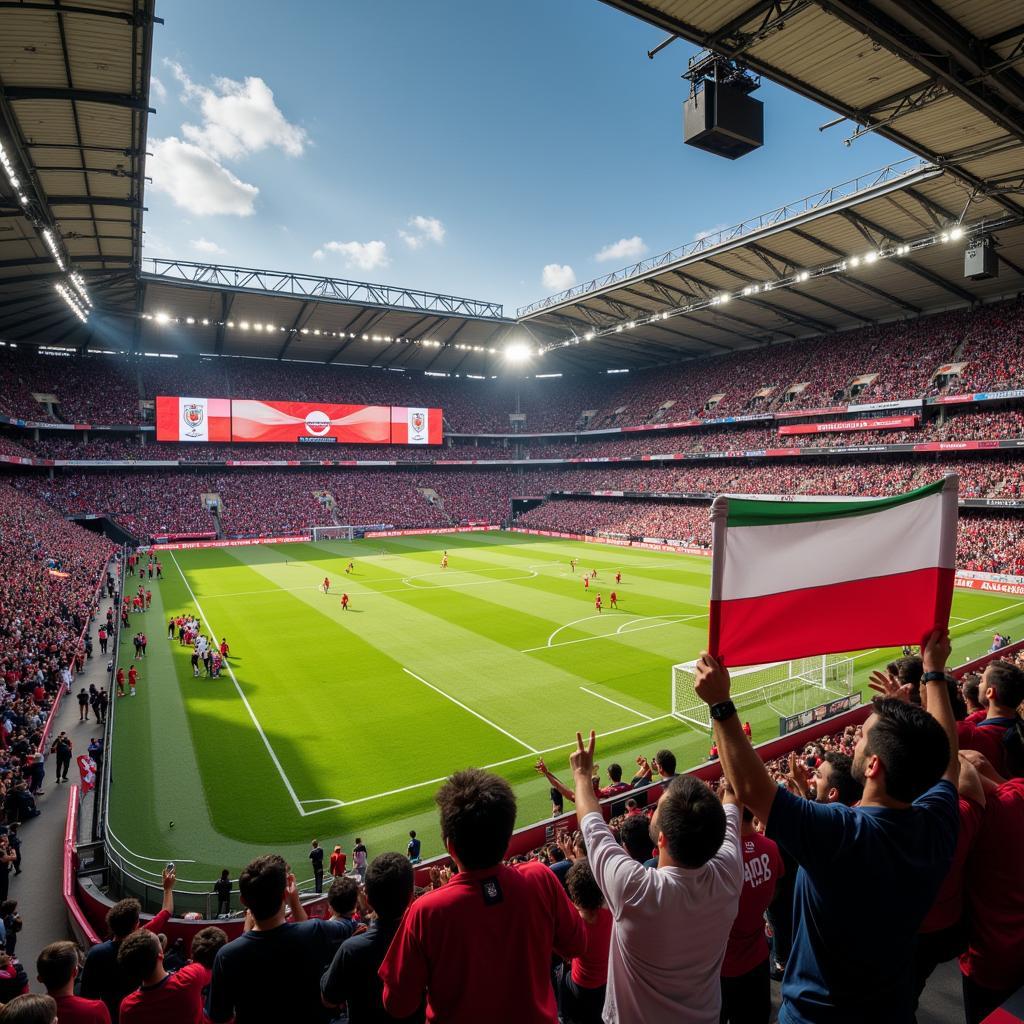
[
  {"x": 318, "y": 533},
  {"x": 782, "y": 685}
]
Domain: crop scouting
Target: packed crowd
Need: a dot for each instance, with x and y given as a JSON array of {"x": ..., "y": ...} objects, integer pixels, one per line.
[
  {"x": 280, "y": 502},
  {"x": 882, "y": 363},
  {"x": 956, "y": 426},
  {"x": 923, "y": 803}
]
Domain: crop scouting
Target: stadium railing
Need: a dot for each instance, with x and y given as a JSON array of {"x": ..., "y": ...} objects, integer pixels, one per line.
[{"x": 87, "y": 901}]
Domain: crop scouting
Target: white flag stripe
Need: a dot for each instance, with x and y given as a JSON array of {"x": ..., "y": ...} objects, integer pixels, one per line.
[{"x": 761, "y": 560}]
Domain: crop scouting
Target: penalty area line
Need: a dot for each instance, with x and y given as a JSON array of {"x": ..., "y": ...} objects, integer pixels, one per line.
[
  {"x": 488, "y": 767},
  {"x": 475, "y": 714},
  {"x": 625, "y": 707}
]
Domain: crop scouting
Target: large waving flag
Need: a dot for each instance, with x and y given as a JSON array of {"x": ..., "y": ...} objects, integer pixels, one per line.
[{"x": 791, "y": 579}]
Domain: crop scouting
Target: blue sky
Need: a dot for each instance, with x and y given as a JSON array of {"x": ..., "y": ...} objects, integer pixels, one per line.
[{"x": 460, "y": 146}]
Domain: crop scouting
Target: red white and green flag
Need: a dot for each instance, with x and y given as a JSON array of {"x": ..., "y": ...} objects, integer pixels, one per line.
[{"x": 790, "y": 579}]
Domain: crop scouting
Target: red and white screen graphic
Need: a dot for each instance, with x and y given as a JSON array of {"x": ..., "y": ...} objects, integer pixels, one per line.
[
  {"x": 193, "y": 419},
  {"x": 415, "y": 425},
  {"x": 310, "y": 422}
]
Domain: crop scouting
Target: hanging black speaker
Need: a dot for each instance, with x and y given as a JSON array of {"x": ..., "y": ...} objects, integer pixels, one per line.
[{"x": 723, "y": 120}]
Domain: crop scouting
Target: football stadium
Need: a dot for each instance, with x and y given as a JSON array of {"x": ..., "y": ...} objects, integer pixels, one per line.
[{"x": 649, "y": 643}]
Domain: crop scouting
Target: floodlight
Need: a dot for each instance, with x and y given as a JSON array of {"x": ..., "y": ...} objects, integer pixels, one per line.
[
  {"x": 518, "y": 352},
  {"x": 162, "y": 318}
]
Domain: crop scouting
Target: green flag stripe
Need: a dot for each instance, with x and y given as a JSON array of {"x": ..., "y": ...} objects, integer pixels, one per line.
[{"x": 751, "y": 512}]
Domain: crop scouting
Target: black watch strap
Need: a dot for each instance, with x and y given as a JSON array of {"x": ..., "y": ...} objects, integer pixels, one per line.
[
  {"x": 932, "y": 677},
  {"x": 722, "y": 710}
]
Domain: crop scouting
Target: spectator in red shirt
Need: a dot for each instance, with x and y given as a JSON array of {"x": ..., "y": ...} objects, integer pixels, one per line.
[
  {"x": 581, "y": 984},
  {"x": 993, "y": 966},
  {"x": 746, "y": 984},
  {"x": 1002, "y": 687},
  {"x": 102, "y": 976},
  {"x": 161, "y": 998},
  {"x": 338, "y": 860},
  {"x": 57, "y": 967},
  {"x": 480, "y": 946}
]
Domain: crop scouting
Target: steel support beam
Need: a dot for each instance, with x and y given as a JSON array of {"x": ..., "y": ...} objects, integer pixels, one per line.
[{"x": 16, "y": 93}]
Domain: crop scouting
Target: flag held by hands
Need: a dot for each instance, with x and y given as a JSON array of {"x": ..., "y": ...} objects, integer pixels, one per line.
[{"x": 791, "y": 579}]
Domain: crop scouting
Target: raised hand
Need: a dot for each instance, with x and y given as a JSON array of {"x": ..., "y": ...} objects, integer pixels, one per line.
[
  {"x": 711, "y": 680},
  {"x": 581, "y": 761},
  {"x": 889, "y": 686},
  {"x": 935, "y": 651}
]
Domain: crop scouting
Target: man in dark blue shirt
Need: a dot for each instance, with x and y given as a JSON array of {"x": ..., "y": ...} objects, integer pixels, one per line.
[
  {"x": 868, "y": 874},
  {"x": 414, "y": 847},
  {"x": 270, "y": 972},
  {"x": 352, "y": 977}
]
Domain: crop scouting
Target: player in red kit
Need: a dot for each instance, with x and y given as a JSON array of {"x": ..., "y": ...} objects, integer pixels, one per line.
[
  {"x": 224, "y": 648},
  {"x": 344, "y": 602},
  {"x": 149, "y": 599},
  {"x": 326, "y": 585},
  {"x": 593, "y": 574},
  {"x": 133, "y": 678},
  {"x": 120, "y": 682},
  {"x": 618, "y": 577},
  {"x": 586, "y": 582},
  {"x": 613, "y": 600},
  {"x": 597, "y": 602}
]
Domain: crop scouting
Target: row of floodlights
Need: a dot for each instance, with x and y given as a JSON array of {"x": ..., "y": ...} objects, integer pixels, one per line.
[
  {"x": 163, "y": 319},
  {"x": 799, "y": 277}
]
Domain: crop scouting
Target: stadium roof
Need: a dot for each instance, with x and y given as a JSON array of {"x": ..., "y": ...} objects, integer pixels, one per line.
[
  {"x": 74, "y": 95},
  {"x": 74, "y": 98},
  {"x": 939, "y": 77}
]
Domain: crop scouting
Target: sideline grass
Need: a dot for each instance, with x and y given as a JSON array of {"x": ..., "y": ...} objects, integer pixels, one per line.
[{"x": 350, "y": 719}]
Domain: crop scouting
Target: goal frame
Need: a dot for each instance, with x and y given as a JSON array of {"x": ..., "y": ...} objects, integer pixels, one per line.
[
  {"x": 761, "y": 684},
  {"x": 321, "y": 533}
]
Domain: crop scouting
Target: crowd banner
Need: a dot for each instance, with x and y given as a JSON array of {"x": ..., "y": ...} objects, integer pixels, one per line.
[
  {"x": 821, "y": 713},
  {"x": 838, "y": 426},
  {"x": 370, "y": 534},
  {"x": 241, "y": 542}
]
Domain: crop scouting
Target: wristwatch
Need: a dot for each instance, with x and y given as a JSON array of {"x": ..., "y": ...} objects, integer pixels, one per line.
[
  {"x": 933, "y": 677},
  {"x": 722, "y": 710}
]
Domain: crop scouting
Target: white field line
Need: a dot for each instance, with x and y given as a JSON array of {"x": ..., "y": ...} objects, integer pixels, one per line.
[
  {"x": 160, "y": 860},
  {"x": 408, "y": 580},
  {"x": 625, "y": 707},
  {"x": 245, "y": 700},
  {"x": 488, "y": 767},
  {"x": 610, "y": 636},
  {"x": 475, "y": 714}
]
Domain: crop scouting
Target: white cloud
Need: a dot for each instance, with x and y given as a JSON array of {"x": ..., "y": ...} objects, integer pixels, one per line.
[
  {"x": 624, "y": 249},
  {"x": 238, "y": 117},
  {"x": 360, "y": 255},
  {"x": 425, "y": 229},
  {"x": 157, "y": 89},
  {"x": 196, "y": 181},
  {"x": 557, "y": 277},
  {"x": 205, "y": 246}
]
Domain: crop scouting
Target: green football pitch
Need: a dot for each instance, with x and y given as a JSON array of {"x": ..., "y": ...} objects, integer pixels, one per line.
[{"x": 334, "y": 724}]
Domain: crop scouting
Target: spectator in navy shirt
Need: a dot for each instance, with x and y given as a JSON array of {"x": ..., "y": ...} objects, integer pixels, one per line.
[
  {"x": 271, "y": 972},
  {"x": 868, "y": 874},
  {"x": 414, "y": 847},
  {"x": 352, "y": 976}
]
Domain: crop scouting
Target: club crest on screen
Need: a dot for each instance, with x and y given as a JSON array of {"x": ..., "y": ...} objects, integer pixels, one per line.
[{"x": 193, "y": 415}]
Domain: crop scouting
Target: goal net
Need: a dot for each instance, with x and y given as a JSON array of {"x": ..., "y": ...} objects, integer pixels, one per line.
[
  {"x": 319, "y": 533},
  {"x": 785, "y": 686}
]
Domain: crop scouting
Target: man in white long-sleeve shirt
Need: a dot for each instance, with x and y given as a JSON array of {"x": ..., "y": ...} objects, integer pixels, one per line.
[{"x": 671, "y": 923}]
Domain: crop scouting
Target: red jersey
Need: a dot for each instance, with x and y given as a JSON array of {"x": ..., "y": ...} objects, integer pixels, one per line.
[
  {"x": 327, "y": 583},
  {"x": 618, "y": 577},
  {"x": 76, "y": 1010},
  {"x": 224, "y": 649},
  {"x": 451, "y": 938},
  {"x": 597, "y": 602},
  {"x": 586, "y": 582},
  {"x": 344, "y": 600},
  {"x": 120, "y": 677},
  {"x": 948, "y": 907},
  {"x": 995, "y": 950},
  {"x": 590, "y": 968},
  {"x": 613, "y": 597},
  {"x": 132, "y": 675},
  {"x": 178, "y": 999},
  {"x": 338, "y": 861},
  {"x": 986, "y": 737},
  {"x": 762, "y": 868}
]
